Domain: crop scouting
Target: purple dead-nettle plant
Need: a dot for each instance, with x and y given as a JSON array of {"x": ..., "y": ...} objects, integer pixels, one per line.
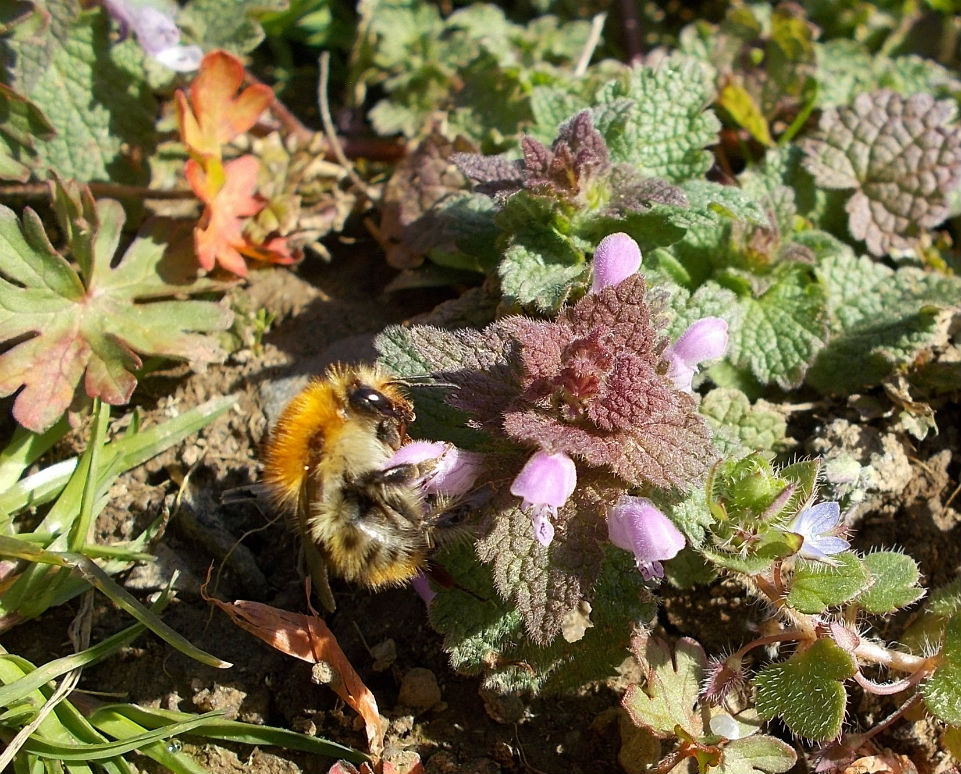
[
  {"x": 153, "y": 23},
  {"x": 576, "y": 413},
  {"x": 576, "y": 169}
]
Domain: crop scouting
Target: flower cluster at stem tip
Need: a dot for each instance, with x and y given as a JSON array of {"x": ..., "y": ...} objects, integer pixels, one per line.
[{"x": 548, "y": 478}]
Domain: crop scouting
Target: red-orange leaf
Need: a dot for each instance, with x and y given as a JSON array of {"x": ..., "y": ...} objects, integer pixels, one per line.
[
  {"x": 215, "y": 113},
  {"x": 219, "y": 237}
]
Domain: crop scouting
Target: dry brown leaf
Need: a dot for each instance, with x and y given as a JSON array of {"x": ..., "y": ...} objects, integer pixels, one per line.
[{"x": 308, "y": 638}]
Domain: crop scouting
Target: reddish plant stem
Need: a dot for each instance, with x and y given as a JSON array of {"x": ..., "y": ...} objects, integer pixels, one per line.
[
  {"x": 290, "y": 123},
  {"x": 887, "y": 689}
]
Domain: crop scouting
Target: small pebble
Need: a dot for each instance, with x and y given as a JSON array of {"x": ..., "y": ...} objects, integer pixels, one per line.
[{"x": 419, "y": 689}]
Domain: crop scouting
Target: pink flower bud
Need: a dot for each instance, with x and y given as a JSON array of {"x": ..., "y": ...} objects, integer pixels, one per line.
[
  {"x": 544, "y": 484},
  {"x": 705, "y": 339},
  {"x": 616, "y": 258},
  {"x": 635, "y": 525}
]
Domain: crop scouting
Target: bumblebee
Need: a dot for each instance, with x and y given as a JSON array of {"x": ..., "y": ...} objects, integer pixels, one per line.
[{"x": 326, "y": 467}]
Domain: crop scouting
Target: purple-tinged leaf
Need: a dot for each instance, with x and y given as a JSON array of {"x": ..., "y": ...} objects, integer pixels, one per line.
[{"x": 899, "y": 157}]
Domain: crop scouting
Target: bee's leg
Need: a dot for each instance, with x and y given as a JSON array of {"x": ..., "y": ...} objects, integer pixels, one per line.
[{"x": 317, "y": 570}]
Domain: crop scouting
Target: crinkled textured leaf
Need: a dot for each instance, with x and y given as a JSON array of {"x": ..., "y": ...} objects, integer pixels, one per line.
[
  {"x": 806, "y": 691},
  {"x": 879, "y": 318},
  {"x": 899, "y": 157},
  {"x": 480, "y": 367},
  {"x": 93, "y": 93},
  {"x": 656, "y": 120},
  {"x": 540, "y": 278},
  {"x": 669, "y": 697},
  {"x": 942, "y": 691},
  {"x": 895, "y": 582},
  {"x": 600, "y": 364},
  {"x": 478, "y": 624},
  {"x": 547, "y": 582},
  {"x": 783, "y": 329},
  {"x": 93, "y": 327},
  {"x": 227, "y": 24},
  {"x": 739, "y": 427},
  {"x": 817, "y": 586}
]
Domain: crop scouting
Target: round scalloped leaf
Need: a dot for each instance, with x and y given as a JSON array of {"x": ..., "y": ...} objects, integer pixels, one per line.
[
  {"x": 895, "y": 582},
  {"x": 806, "y": 691},
  {"x": 817, "y": 586},
  {"x": 942, "y": 692}
]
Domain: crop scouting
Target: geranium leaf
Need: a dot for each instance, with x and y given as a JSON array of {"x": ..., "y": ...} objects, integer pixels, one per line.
[
  {"x": 94, "y": 327},
  {"x": 669, "y": 698}
]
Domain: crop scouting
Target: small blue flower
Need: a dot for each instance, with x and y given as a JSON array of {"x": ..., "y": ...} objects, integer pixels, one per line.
[
  {"x": 818, "y": 526},
  {"x": 153, "y": 24}
]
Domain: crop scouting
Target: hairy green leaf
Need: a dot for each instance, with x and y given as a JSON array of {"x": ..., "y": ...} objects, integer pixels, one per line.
[
  {"x": 806, "y": 691},
  {"x": 880, "y": 318},
  {"x": 942, "y": 692},
  {"x": 817, "y": 586},
  {"x": 895, "y": 583}
]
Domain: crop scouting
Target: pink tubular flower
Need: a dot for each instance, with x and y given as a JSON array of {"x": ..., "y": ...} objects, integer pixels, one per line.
[
  {"x": 616, "y": 258},
  {"x": 421, "y": 585},
  {"x": 635, "y": 525},
  {"x": 152, "y": 22},
  {"x": 454, "y": 471},
  {"x": 544, "y": 484},
  {"x": 705, "y": 339}
]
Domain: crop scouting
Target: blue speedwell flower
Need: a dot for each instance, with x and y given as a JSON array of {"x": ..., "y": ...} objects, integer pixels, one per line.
[{"x": 818, "y": 525}]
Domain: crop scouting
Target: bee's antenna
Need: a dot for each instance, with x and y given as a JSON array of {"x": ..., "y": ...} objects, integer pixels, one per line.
[{"x": 422, "y": 380}]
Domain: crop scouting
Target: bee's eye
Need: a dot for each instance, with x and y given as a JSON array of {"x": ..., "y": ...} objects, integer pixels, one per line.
[{"x": 368, "y": 399}]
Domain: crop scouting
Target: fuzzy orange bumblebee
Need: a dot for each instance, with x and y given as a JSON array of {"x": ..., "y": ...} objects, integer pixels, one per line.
[{"x": 326, "y": 467}]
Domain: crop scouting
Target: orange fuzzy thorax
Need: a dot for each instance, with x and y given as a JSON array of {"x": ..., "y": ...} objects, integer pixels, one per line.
[{"x": 310, "y": 421}]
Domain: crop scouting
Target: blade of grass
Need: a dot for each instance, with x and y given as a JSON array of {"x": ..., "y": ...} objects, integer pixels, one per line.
[
  {"x": 232, "y": 730},
  {"x": 95, "y": 576},
  {"x": 81, "y": 525},
  {"x": 132, "y": 450},
  {"x": 24, "y": 449},
  {"x": 98, "y": 752},
  {"x": 118, "y": 726}
]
